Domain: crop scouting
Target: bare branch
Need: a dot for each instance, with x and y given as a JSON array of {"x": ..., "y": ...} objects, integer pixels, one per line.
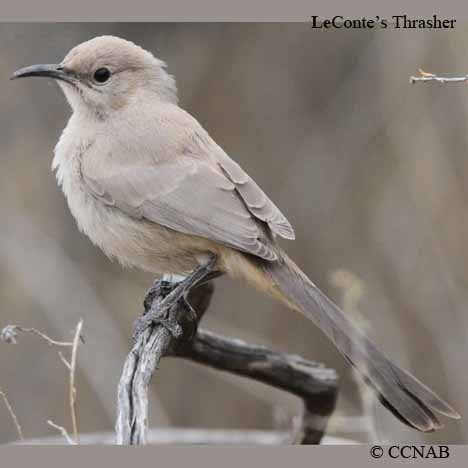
[
  {"x": 9, "y": 334},
  {"x": 12, "y": 414},
  {"x": 310, "y": 381},
  {"x": 426, "y": 77},
  {"x": 169, "y": 329},
  {"x": 62, "y": 431},
  {"x": 164, "y": 322},
  {"x": 64, "y": 360},
  {"x": 72, "y": 389},
  {"x": 171, "y": 336}
]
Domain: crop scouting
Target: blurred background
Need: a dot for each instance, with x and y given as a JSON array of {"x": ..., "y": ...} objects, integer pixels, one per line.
[{"x": 370, "y": 170}]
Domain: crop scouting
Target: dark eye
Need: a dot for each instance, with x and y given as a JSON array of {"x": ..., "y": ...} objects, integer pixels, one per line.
[{"x": 101, "y": 75}]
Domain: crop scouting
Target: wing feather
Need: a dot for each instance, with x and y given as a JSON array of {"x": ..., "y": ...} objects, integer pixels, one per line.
[
  {"x": 257, "y": 202},
  {"x": 187, "y": 196}
]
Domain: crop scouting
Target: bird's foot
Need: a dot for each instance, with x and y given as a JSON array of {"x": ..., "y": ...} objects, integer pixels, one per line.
[
  {"x": 169, "y": 323},
  {"x": 162, "y": 310},
  {"x": 166, "y": 303},
  {"x": 160, "y": 288}
]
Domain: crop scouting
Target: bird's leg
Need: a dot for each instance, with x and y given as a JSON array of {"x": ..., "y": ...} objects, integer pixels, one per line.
[
  {"x": 160, "y": 287},
  {"x": 156, "y": 310},
  {"x": 165, "y": 298}
]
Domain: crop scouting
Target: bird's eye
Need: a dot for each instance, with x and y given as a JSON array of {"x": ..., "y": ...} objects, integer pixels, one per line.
[{"x": 101, "y": 75}]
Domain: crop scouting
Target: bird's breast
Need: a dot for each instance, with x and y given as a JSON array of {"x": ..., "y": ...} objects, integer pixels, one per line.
[{"x": 133, "y": 242}]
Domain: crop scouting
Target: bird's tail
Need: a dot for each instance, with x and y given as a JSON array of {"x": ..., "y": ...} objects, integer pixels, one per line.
[{"x": 407, "y": 398}]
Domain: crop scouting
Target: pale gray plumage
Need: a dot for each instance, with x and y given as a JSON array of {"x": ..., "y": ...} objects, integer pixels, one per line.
[
  {"x": 150, "y": 187},
  {"x": 160, "y": 195}
]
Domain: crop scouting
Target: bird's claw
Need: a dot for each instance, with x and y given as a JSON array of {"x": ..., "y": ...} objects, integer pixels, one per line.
[
  {"x": 153, "y": 316},
  {"x": 159, "y": 288},
  {"x": 144, "y": 322}
]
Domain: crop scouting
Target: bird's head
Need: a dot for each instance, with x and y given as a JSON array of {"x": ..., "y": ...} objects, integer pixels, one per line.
[{"x": 107, "y": 73}]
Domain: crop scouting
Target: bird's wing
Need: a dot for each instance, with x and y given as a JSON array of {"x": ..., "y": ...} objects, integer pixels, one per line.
[
  {"x": 191, "y": 197},
  {"x": 255, "y": 198}
]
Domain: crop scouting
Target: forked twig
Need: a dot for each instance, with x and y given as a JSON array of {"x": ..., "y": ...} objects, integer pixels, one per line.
[
  {"x": 62, "y": 431},
  {"x": 9, "y": 334},
  {"x": 425, "y": 77}
]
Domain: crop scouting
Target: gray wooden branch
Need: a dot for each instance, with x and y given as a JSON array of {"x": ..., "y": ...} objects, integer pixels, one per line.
[
  {"x": 316, "y": 385},
  {"x": 173, "y": 335}
]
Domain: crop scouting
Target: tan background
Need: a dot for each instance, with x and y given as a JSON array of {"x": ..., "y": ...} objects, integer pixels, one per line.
[{"x": 370, "y": 170}]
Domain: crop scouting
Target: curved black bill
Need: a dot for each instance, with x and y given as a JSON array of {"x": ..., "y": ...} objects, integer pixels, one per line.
[{"x": 55, "y": 71}]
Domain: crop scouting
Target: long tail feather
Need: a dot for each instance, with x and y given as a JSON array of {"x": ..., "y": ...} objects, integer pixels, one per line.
[{"x": 410, "y": 400}]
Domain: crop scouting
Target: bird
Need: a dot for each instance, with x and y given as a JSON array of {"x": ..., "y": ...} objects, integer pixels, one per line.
[{"x": 149, "y": 186}]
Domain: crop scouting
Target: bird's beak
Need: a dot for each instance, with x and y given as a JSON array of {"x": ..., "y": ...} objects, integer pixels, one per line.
[{"x": 55, "y": 71}]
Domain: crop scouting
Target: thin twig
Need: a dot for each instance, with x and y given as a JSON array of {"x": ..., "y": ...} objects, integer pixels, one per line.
[
  {"x": 72, "y": 389},
  {"x": 64, "y": 360},
  {"x": 62, "y": 431},
  {"x": 12, "y": 414},
  {"x": 9, "y": 334},
  {"x": 425, "y": 77}
]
